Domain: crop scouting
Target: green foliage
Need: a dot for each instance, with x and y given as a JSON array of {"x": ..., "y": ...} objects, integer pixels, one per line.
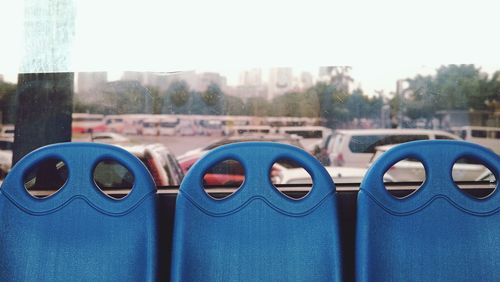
[
  {"x": 178, "y": 93},
  {"x": 257, "y": 106},
  {"x": 454, "y": 87},
  {"x": 126, "y": 97},
  {"x": 214, "y": 99},
  {"x": 234, "y": 106},
  {"x": 156, "y": 99}
]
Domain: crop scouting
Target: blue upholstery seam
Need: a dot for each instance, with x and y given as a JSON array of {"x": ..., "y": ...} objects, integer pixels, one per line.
[
  {"x": 251, "y": 199},
  {"x": 67, "y": 202},
  {"x": 423, "y": 206}
]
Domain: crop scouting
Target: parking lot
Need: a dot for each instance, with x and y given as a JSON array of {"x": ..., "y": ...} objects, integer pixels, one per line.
[{"x": 176, "y": 144}]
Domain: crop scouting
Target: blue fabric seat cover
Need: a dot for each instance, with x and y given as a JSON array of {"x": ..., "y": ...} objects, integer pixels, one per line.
[
  {"x": 78, "y": 233},
  {"x": 439, "y": 233},
  {"x": 257, "y": 233}
]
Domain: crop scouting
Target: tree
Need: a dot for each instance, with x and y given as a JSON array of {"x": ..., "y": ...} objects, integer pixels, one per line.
[
  {"x": 454, "y": 87},
  {"x": 156, "y": 99},
  {"x": 257, "y": 106},
  {"x": 340, "y": 77},
  {"x": 128, "y": 97},
  {"x": 234, "y": 106},
  {"x": 296, "y": 104},
  {"x": 177, "y": 98},
  {"x": 324, "y": 93},
  {"x": 214, "y": 99}
]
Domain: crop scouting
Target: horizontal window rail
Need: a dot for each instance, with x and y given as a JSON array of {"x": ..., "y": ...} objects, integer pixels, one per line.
[{"x": 286, "y": 188}]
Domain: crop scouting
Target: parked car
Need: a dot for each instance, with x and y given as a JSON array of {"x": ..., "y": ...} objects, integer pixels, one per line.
[
  {"x": 412, "y": 170},
  {"x": 6, "y": 144},
  {"x": 487, "y": 176},
  {"x": 486, "y": 136},
  {"x": 231, "y": 172},
  {"x": 7, "y": 130},
  {"x": 160, "y": 162},
  {"x": 338, "y": 174},
  {"x": 311, "y": 135},
  {"x": 109, "y": 137},
  {"x": 247, "y": 129},
  {"x": 354, "y": 148},
  {"x": 110, "y": 175},
  {"x": 5, "y": 162}
]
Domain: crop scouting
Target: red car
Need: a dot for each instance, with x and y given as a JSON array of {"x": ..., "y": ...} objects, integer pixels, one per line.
[{"x": 230, "y": 172}]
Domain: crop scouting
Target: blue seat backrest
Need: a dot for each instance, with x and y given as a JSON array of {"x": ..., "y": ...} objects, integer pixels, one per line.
[
  {"x": 78, "y": 233},
  {"x": 257, "y": 233},
  {"x": 438, "y": 233}
]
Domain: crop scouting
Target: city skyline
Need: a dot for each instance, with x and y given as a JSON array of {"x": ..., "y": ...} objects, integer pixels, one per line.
[
  {"x": 382, "y": 41},
  {"x": 369, "y": 78}
]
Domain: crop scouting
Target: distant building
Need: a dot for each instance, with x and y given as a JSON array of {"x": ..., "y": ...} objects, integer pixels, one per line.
[
  {"x": 89, "y": 81},
  {"x": 190, "y": 77},
  {"x": 195, "y": 81},
  {"x": 252, "y": 77},
  {"x": 133, "y": 76},
  {"x": 325, "y": 73},
  {"x": 1, "y": 78},
  {"x": 160, "y": 80},
  {"x": 206, "y": 78},
  {"x": 457, "y": 118},
  {"x": 250, "y": 91},
  {"x": 306, "y": 80},
  {"x": 163, "y": 80},
  {"x": 144, "y": 78},
  {"x": 250, "y": 84},
  {"x": 280, "y": 82}
]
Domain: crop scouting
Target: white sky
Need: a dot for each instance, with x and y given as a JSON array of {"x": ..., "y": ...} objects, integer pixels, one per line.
[{"x": 383, "y": 40}]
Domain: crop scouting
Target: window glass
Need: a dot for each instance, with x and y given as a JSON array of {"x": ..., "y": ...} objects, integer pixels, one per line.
[
  {"x": 340, "y": 114},
  {"x": 367, "y": 144},
  {"x": 364, "y": 144},
  {"x": 479, "y": 133}
]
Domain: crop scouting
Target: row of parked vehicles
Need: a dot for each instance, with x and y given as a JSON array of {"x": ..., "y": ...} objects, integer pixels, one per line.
[
  {"x": 346, "y": 154},
  {"x": 150, "y": 124}
]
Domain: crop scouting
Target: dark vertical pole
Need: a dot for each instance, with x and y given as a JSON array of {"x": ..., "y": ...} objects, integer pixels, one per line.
[{"x": 44, "y": 108}]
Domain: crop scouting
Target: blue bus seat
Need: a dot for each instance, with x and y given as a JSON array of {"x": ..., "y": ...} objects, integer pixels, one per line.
[
  {"x": 257, "y": 233},
  {"x": 438, "y": 233},
  {"x": 78, "y": 233}
]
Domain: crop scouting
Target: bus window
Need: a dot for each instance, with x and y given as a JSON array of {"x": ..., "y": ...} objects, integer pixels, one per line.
[{"x": 479, "y": 133}]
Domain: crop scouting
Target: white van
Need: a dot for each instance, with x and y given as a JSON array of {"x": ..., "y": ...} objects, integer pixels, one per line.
[
  {"x": 114, "y": 123},
  {"x": 168, "y": 125},
  {"x": 132, "y": 124},
  {"x": 311, "y": 135},
  {"x": 486, "y": 136},
  {"x": 247, "y": 129},
  {"x": 354, "y": 148},
  {"x": 150, "y": 126},
  {"x": 412, "y": 169}
]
